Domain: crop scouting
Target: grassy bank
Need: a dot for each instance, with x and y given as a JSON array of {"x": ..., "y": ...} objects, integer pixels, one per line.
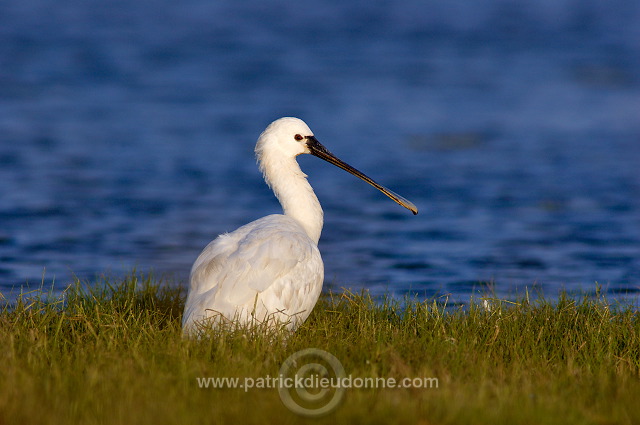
[{"x": 113, "y": 353}]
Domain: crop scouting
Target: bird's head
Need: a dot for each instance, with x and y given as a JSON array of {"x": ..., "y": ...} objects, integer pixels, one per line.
[{"x": 289, "y": 137}]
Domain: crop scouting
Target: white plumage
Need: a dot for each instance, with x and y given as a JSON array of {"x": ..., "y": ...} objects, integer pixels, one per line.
[{"x": 270, "y": 270}]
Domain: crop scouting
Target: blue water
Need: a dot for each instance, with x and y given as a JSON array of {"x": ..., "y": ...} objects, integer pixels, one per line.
[{"x": 127, "y": 131}]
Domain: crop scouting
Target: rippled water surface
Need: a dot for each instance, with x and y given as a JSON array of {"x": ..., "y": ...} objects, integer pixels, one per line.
[{"x": 127, "y": 133}]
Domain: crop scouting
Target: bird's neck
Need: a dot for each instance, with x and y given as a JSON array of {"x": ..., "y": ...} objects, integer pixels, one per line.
[{"x": 294, "y": 192}]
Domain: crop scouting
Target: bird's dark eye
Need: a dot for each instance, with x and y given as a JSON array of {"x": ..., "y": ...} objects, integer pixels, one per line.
[{"x": 298, "y": 137}]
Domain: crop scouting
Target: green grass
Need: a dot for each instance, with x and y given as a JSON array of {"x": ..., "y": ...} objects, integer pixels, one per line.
[{"x": 113, "y": 353}]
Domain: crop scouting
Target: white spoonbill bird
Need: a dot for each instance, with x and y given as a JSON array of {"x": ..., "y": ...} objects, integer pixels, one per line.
[{"x": 270, "y": 270}]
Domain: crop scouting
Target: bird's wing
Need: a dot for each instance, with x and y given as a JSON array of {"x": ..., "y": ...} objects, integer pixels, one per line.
[{"x": 236, "y": 267}]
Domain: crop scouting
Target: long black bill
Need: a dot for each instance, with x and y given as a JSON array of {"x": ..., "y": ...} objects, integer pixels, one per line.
[{"x": 316, "y": 149}]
